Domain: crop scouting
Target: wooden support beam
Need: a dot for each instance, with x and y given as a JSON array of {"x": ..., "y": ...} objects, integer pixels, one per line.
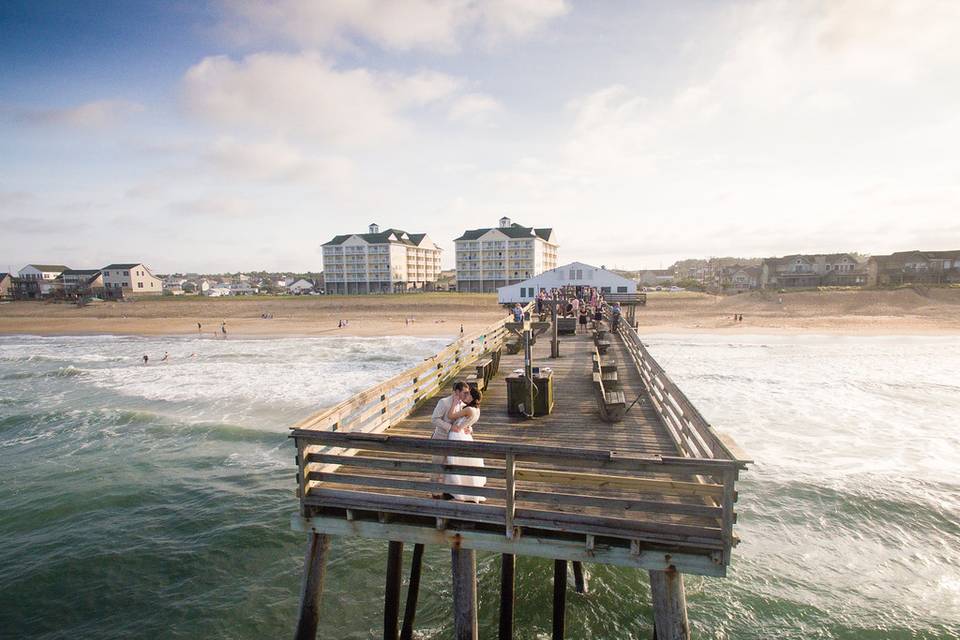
[
  {"x": 508, "y": 563},
  {"x": 311, "y": 589},
  {"x": 579, "y": 577},
  {"x": 559, "y": 598},
  {"x": 391, "y": 591},
  {"x": 413, "y": 593},
  {"x": 463, "y": 565},
  {"x": 669, "y": 605}
]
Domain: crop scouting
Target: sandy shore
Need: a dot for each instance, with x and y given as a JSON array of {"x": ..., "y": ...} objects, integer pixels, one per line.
[{"x": 905, "y": 311}]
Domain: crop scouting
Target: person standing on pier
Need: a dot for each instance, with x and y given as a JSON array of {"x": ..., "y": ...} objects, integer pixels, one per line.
[{"x": 441, "y": 425}]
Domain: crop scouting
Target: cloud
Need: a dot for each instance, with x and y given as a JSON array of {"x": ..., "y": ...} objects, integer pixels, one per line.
[
  {"x": 90, "y": 115},
  {"x": 226, "y": 207},
  {"x": 400, "y": 25},
  {"x": 474, "y": 108},
  {"x": 305, "y": 96},
  {"x": 275, "y": 161}
]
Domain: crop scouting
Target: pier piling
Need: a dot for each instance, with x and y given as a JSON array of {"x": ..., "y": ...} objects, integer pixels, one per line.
[
  {"x": 579, "y": 579},
  {"x": 391, "y": 591},
  {"x": 315, "y": 565},
  {"x": 508, "y": 563},
  {"x": 413, "y": 593},
  {"x": 559, "y": 598},
  {"x": 669, "y": 605},
  {"x": 463, "y": 564}
]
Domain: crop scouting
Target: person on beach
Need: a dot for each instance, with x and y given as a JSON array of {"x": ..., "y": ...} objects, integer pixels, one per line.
[
  {"x": 199, "y": 328},
  {"x": 223, "y": 329},
  {"x": 442, "y": 425},
  {"x": 146, "y": 358},
  {"x": 462, "y": 430}
]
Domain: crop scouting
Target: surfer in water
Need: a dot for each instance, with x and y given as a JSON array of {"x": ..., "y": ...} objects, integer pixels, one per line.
[{"x": 146, "y": 358}]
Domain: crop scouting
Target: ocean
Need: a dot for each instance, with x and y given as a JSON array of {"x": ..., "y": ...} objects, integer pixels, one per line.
[{"x": 154, "y": 501}]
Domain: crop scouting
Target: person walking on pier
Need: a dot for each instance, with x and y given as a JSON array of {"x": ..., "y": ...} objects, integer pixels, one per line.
[{"x": 441, "y": 424}]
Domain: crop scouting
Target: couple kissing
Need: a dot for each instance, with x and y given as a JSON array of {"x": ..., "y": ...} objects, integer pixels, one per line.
[{"x": 453, "y": 419}]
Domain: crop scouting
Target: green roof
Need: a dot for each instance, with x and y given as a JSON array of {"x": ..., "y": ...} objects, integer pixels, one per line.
[
  {"x": 413, "y": 239},
  {"x": 513, "y": 231}
]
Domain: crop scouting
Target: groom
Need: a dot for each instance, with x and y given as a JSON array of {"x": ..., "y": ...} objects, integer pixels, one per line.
[{"x": 441, "y": 426}]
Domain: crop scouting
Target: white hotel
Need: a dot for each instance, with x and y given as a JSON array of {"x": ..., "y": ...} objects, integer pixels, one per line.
[
  {"x": 491, "y": 258},
  {"x": 387, "y": 261}
]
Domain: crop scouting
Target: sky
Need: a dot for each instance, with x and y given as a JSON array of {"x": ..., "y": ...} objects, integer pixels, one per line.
[{"x": 243, "y": 134}]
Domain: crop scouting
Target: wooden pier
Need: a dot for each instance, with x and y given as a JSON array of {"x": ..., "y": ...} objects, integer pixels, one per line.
[{"x": 652, "y": 488}]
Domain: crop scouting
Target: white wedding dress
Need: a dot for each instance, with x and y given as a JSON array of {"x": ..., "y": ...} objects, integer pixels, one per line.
[{"x": 456, "y": 433}]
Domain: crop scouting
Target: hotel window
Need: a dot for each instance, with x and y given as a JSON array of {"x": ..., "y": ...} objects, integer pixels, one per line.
[{"x": 126, "y": 273}]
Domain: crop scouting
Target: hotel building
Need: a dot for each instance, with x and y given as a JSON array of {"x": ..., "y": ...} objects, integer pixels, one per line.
[
  {"x": 387, "y": 261},
  {"x": 496, "y": 257}
]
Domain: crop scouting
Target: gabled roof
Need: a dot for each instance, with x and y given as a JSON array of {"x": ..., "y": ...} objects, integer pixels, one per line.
[
  {"x": 515, "y": 231},
  {"x": 118, "y": 265},
  {"x": 923, "y": 255},
  {"x": 48, "y": 267},
  {"x": 387, "y": 236}
]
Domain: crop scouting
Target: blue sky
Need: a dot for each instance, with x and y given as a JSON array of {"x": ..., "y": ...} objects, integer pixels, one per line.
[{"x": 237, "y": 134}]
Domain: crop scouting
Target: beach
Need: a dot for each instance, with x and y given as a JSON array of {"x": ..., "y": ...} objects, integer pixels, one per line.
[{"x": 871, "y": 312}]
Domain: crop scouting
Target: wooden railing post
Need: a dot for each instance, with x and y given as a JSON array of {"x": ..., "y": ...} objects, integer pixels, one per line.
[{"x": 509, "y": 509}]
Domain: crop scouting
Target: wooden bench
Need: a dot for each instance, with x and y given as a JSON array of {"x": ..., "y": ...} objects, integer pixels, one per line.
[
  {"x": 612, "y": 404},
  {"x": 600, "y": 366},
  {"x": 602, "y": 345},
  {"x": 484, "y": 373},
  {"x": 495, "y": 361},
  {"x": 566, "y": 326}
]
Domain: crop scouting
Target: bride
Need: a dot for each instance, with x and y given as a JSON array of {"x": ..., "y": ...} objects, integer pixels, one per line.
[{"x": 462, "y": 430}]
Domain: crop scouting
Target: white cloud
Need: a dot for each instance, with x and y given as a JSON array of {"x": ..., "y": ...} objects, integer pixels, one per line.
[
  {"x": 474, "y": 108},
  {"x": 97, "y": 114},
  {"x": 305, "y": 96},
  {"x": 392, "y": 24},
  {"x": 226, "y": 207},
  {"x": 275, "y": 161}
]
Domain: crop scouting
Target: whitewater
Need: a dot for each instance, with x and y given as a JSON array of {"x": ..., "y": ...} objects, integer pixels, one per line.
[{"x": 145, "y": 501}]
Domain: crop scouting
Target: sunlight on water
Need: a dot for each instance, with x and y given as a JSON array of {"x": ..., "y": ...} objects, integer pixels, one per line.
[{"x": 154, "y": 501}]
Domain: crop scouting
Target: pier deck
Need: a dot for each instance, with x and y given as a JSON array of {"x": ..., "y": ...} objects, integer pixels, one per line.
[{"x": 653, "y": 490}]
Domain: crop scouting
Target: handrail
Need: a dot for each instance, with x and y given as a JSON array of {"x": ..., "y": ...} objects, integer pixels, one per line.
[{"x": 691, "y": 432}]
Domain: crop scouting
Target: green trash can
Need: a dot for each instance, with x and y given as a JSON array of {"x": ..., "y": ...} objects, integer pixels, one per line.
[{"x": 517, "y": 393}]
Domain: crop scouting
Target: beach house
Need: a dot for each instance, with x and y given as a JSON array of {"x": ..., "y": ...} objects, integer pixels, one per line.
[
  {"x": 300, "y": 287},
  {"x": 125, "y": 280},
  {"x": 388, "y": 261},
  {"x": 6, "y": 286},
  {"x": 814, "y": 270},
  {"x": 39, "y": 279},
  {"x": 919, "y": 267},
  {"x": 490, "y": 258},
  {"x": 739, "y": 278},
  {"x": 82, "y": 281},
  {"x": 575, "y": 274}
]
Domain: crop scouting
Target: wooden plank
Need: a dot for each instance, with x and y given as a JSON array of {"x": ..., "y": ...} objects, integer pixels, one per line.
[
  {"x": 595, "y": 480},
  {"x": 397, "y": 483},
  {"x": 394, "y": 464},
  {"x": 529, "y": 544}
]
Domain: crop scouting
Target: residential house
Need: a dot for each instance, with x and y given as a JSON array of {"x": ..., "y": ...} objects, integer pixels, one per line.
[
  {"x": 43, "y": 276},
  {"x": 6, "y": 286},
  {"x": 490, "y": 258},
  {"x": 920, "y": 267},
  {"x": 132, "y": 279},
  {"x": 575, "y": 274},
  {"x": 173, "y": 286},
  {"x": 739, "y": 278},
  {"x": 82, "y": 282},
  {"x": 799, "y": 271},
  {"x": 380, "y": 262},
  {"x": 300, "y": 287},
  {"x": 657, "y": 277}
]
